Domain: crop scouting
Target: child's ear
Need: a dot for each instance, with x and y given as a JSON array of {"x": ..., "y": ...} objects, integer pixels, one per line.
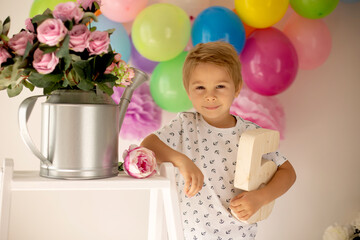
[{"x": 238, "y": 90}]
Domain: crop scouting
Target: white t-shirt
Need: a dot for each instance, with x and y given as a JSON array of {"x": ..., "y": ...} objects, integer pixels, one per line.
[{"x": 214, "y": 151}]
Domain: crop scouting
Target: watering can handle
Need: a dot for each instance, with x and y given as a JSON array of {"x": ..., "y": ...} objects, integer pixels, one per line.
[{"x": 25, "y": 110}]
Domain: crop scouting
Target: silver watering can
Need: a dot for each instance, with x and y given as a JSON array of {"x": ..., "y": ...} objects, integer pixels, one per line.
[{"x": 79, "y": 131}]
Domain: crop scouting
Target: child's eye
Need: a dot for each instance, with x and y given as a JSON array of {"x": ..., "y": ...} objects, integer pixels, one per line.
[
  {"x": 199, "y": 88},
  {"x": 220, "y": 86}
]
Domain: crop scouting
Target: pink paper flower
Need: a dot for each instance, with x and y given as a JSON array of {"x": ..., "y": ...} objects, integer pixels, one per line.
[
  {"x": 4, "y": 55},
  {"x": 86, "y": 4},
  {"x": 139, "y": 162},
  {"x": 79, "y": 38},
  {"x": 266, "y": 112},
  {"x": 68, "y": 11},
  {"x": 142, "y": 117},
  {"x": 18, "y": 42},
  {"x": 44, "y": 63},
  {"x": 51, "y": 31},
  {"x": 29, "y": 25},
  {"x": 99, "y": 43}
]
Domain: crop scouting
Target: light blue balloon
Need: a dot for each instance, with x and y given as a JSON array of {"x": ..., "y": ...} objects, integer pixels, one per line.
[
  {"x": 119, "y": 40},
  {"x": 219, "y": 24}
]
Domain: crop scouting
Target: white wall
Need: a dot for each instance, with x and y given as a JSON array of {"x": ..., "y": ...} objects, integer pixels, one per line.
[{"x": 322, "y": 114}]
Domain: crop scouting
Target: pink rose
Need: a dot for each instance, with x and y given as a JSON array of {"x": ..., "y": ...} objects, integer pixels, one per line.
[
  {"x": 79, "y": 38},
  {"x": 99, "y": 43},
  {"x": 110, "y": 68},
  {"x": 45, "y": 63},
  {"x": 4, "y": 55},
  {"x": 68, "y": 11},
  {"x": 51, "y": 31},
  {"x": 86, "y": 4},
  {"x": 139, "y": 162},
  {"x": 18, "y": 42},
  {"x": 29, "y": 25}
]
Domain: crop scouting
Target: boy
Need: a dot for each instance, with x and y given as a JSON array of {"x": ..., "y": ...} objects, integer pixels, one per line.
[{"x": 203, "y": 146}]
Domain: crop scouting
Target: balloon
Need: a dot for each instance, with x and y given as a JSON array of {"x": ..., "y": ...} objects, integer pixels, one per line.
[
  {"x": 166, "y": 85},
  {"x": 191, "y": 7},
  {"x": 39, "y": 6},
  {"x": 140, "y": 62},
  {"x": 122, "y": 10},
  {"x": 311, "y": 39},
  {"x": 314, "y": 9},
  {"x": 161, "y": 31},
  {"x": 261, "y": 13},
  {"x": 248, "y": 29},
  {"x": 218, "y": 24},
  {"x": 269, "y": 62},
  {"x": 119, "y": 39}
]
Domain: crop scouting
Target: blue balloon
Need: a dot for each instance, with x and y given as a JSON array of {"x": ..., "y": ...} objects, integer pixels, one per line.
[
  {"x": 119, "y": 40},
  {"x": 218, "y": 24}
]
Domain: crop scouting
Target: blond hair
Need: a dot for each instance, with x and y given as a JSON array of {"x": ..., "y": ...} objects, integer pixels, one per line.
[{"x": 219, "y": 53}]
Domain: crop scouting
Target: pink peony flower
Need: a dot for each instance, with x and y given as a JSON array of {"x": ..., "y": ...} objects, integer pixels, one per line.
[
  {"x": 86, "y": 4},
  {"x": 79, "y": 38},
  {"x": 142, "y": 117},
  {"x": 44, "y": 63},
  {"x": 266, "y": 112},
  {"x": 29, "y": 25},
  {"x": 139, "y": 162},
  {"x": 4, "y": 55},
  {"x": 68, "y": 11},
  {"x": 99, "y": 43},
  {"x": 18, "y": 42},
  {"x": 51, "y": 31}
]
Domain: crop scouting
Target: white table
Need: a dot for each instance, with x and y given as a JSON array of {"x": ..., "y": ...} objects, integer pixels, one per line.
[{"x": 163, "y": 195}]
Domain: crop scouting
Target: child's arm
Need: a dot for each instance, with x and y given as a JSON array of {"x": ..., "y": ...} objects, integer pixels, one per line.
[
  {"x": 193, "y": 177},
  {"x": 247, "y": 203}
]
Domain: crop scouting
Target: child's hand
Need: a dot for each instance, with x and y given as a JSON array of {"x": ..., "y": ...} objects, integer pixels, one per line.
[
  {"x": 193, "y": 177},
  {"x": 246, "y": 204}
]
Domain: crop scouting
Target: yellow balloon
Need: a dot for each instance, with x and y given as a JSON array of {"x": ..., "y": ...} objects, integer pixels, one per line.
[
  {"x": 261, "y": 13},
  {"x": 161, "y": 32}
]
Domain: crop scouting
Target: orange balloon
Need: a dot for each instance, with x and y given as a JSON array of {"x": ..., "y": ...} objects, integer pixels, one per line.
[{"x": 248, "y": 29}]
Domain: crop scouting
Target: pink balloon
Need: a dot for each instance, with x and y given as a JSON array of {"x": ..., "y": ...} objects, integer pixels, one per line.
[
  {"x": 269, "y": 62},
  {"x": 122, "y": 10},
  {"x": 311, "y": 39}
]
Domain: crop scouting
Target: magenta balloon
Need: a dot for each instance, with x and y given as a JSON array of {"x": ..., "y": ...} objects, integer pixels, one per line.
[
  {"x": 311, "y": 39},
  {"x": 139, "y": 61},
  {"x": 269, "y": 62}
]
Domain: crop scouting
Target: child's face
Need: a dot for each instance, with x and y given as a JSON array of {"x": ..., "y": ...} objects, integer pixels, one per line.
[{"x": 212, "y": 91}]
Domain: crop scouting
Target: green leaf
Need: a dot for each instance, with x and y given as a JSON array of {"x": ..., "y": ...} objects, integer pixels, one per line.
[
  {"x": 27, "y": 49},
  {"x": 106, "y": 78},
  {"x": 85, "y": 85},
  {"x": 6, "y": 26},
  {"x": 38, "y": 19},
  {"x": 83, "y": 70},
  {"x": 51, "y": 88},
  {"x": 105, "y": 88},
  {"x": 47, "y": 49},
  {"x": 92, "y": 29},
  {"x": 15, "y": 90},
  {"x": 64, "y": 52},
  {"x": 87, "y": 16},
  {"x": 28, "y": 85},
  {"x": 44, "y": 80}
]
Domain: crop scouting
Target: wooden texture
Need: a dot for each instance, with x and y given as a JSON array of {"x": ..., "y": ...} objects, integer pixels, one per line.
[{"x": 252, "y": 171}]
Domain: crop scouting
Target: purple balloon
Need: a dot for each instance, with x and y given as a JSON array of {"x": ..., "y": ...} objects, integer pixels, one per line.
[
  {"x": 269, "y": 62},
  {"x": 140, "y": 61}
]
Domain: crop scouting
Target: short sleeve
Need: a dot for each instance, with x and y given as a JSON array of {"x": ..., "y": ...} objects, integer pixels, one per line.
[{"x": 171, "y": 134}]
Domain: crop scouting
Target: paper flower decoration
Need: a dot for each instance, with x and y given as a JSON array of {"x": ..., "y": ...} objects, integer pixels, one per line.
[
  {"x": 265, "y": 111},
  {"x": 143, "y": 116}
]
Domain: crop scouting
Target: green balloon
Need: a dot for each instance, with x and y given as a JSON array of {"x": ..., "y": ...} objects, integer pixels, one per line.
[
  {"x": 39, "y": 6},
  {"x": 166, "y": 85},
  {"x": 161, "y": 31},
  {"x": 313, "y": 9}
]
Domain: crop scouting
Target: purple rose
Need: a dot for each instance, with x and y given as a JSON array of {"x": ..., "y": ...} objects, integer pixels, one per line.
[
  {"x": 99, "y": 43},
  {"x": 68, "y": 11},
  {"x": 86, "y": 4},
  {"x": 4, "y": 55},
  {"x": 139, "y": 162},
  {"x": 79, "y": 38},
  {"x": 18, "y": 42},
  {"x": 29, "y": 25},
  {"x": 51, "y": 31},
  {"x": 45, "y": 63}
]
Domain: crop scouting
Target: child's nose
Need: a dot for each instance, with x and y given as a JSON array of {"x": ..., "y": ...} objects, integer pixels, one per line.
[{"x": 211, "y": 98}]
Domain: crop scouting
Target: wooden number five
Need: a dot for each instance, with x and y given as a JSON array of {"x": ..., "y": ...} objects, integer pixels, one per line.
[{"x": 252, "y": 171}]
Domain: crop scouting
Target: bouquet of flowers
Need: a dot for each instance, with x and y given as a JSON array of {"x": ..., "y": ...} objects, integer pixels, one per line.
[
  {"x": 343, "y": 232},
  {"x": 60, "y": 50}
]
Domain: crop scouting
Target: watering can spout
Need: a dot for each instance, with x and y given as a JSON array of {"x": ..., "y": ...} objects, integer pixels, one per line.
[{"x": 139, "y": 78}]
